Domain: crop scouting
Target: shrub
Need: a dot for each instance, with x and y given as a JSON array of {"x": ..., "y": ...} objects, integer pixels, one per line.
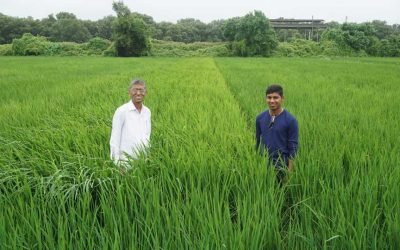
[
  {"x": 215, "y": 51},
  {"x": 179, "y": 49},
  {"x": 97, "y": 45},
  {"x": 285, "y": 50},
  {"x": 110, "y": 51},
  {"x": 6, "y": 50},
  {"x": 390, "y": 47},
  {"x": 239, "y": 48},
  {"x": 29, "y": 45},
  {"x": 71, "y": 49},
  {"x": 298, "y": 47},
  {"x": 331, "y": 48}
]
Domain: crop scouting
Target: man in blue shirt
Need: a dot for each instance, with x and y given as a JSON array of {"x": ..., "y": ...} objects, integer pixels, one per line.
[{"x": 277, "y": 132}]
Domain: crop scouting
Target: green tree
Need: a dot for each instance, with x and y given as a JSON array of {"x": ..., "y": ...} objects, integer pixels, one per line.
[
  {"x": 46, "y": 25},
  {"x": 149, "y": 21},
  {"x": 192, "y": 30},
  {"x": 12, "y": 27},
  {"x": 289, "y": 35},
  {"x": 382, "y": 30},
  {"x": 162, "y": 29},
  {"x": 68, "y": 28},
  {"x": 91, "y": 26},
  {"x": 231, "y": 29},
  {"x": 214, "y": 32},
  {"x": 104, "y": 27},
  {"x": 354, "y": 38},
  {"x": 390, "y": 46},
  {"x": 251, "y": 35},
  {"x": 130, "y": 36}
]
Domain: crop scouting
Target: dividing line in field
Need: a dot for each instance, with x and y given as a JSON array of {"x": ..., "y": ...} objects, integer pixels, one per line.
[
  {"x": 250, "y": 121},
  {"x": 201, "y": 111}
]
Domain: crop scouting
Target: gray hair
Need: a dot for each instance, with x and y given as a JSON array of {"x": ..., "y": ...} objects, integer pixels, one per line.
[{"x": 137, "y": 82}]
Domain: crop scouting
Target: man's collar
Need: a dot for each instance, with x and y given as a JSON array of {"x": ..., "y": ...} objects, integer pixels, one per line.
[{"x": 132, "y": 107}]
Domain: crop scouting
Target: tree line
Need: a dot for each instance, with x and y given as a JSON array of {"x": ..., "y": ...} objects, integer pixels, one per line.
[
  {"x": 67, "y": 27},
  {"x": 249, "y": 35}
]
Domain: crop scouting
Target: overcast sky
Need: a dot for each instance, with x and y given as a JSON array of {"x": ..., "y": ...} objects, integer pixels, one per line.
[{"x": 208, "y": 10}]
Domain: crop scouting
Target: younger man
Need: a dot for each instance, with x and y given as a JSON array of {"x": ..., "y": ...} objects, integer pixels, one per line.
[{"x": 277, "y": 132}]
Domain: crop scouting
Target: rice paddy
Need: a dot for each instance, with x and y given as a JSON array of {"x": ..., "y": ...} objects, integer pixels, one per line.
[{"x": 202, "y": 185}]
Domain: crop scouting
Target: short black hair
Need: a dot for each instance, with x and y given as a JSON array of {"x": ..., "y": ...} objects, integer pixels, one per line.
[{"x": 274, "y": 88}]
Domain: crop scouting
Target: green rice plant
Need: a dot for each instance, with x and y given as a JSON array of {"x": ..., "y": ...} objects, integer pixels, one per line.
[
  {"x": 340, "y": 195},
  {"x": 192, "y": 190},
  {"x": 202, "y": 184}
]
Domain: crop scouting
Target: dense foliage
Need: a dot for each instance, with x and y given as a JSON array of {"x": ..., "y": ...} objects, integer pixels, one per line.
[
  {"x": 29, "y": 45},
  {"x": 197, "y": 49},
  {"x": 245, "y": 36},
  {"x": 250, "y": 35},
  {"x": 129, "y": 33}
]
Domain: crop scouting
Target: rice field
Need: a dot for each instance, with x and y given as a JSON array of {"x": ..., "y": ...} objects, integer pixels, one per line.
[{"x": 203, "y": 185}]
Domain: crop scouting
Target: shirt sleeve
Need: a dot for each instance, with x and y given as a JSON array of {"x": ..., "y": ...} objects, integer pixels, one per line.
[
  {"x": 293, "y": 139},
  {"x": 258, "y": 134},
  {"x": 115, "y": 140},
  {"x": 148, "y": 128}
]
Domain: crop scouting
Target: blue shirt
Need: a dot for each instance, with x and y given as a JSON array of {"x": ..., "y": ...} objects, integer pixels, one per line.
[{"x": 280, "y": 138}]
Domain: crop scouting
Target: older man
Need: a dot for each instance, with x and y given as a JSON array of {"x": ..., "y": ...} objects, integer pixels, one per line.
[{"x": 131, "y": 126}]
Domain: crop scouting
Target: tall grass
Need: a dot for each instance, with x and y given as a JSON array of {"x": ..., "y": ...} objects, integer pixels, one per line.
[
  {"x": 202, "y": 184},
  {"x": 343, "y": 194}
]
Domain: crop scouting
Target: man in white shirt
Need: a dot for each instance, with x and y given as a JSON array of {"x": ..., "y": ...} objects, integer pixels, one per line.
[{"x": 131, "y": 126}]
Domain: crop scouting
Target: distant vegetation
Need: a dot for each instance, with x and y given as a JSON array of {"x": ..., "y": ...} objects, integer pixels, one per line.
[{"x": 134, "y": 34}]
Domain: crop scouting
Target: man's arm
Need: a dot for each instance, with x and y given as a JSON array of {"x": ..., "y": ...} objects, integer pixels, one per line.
[
  {"x": 258, "y": 135},
  {"x": 148, "y": 125},
  {"x": 293, "y": 141},
  {"x": 115, "y": 140}
]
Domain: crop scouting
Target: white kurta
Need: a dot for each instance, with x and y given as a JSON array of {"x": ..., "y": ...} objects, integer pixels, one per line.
[{"x": 130, "y": 132}]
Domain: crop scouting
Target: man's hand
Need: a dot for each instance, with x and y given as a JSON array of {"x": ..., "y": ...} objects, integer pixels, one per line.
[
  {"x": 122, "y": 170},
  {"x": 290, "y": 166}
]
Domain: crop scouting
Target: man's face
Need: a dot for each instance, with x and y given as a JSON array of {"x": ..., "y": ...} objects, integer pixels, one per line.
[
  {"x": 137, "y": 93},
  {"x": 274, "y": 101}
]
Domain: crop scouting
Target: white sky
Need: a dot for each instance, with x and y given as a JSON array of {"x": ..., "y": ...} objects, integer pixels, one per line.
[{"x": 208, "y": 10}]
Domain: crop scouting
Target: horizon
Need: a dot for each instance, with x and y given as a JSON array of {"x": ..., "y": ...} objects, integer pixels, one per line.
[
  {"x": 207, "y": 11},
  {"x": 157, "y": 21}
]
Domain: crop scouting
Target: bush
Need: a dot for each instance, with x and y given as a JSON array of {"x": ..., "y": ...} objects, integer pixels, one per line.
[
  {"x": 29, "y": 45},
  {"x": 97, "y": 45},
  {"x": 215, "y": 51},
  {"x": 179, "y": 49},
  {"x": 239, "y": 48},
  {"x": 285, "y": 50},
  {"x": 110, "y": 51},
  {"x": 53, "y": 49},
  {"x": 6, "y": 50},
  {"x": 307, "y": 47},
  {"x": 298, "y": 47},
  {"x": 331, "y": 48},
  {"x": 390, "y": 47},
  {"x": 71, "y": 49}
]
